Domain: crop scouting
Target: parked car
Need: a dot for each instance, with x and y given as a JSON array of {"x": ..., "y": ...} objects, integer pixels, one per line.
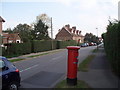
[
  {"x": 91, "y": 44},
  {"x": 83, "y": 45},
  {"x": 9, "y": 75},
  {"x": 87, "y": 44}
]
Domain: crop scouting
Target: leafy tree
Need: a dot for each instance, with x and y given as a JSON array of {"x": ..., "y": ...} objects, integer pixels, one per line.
[
  {"x": 40, "y": 31},
  {"x": 24, "y": 31},
  {"x": 89, "y": 37},
  {"x": 44, "y": 18},
  {"x": 8, "y": 30}
]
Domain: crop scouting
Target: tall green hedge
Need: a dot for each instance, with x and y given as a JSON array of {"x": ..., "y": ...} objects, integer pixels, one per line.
[
  {"x": 112, "y": 45},
  {"x": 18, "y": 49},
  {"x": 35, "y": 46},
  {"x": 39, "y": 46},
  {"x": 64, "y": 44}
]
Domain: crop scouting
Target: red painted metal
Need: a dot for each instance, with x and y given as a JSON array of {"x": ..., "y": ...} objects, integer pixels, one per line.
[{"x": 72, "y": 61}]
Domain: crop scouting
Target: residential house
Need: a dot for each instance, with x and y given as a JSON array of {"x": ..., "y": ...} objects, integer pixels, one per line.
[
  {"x": 67, "y": 33},
  {"x": 8, "y": 38},
  {"x": 11, "y": 38}
]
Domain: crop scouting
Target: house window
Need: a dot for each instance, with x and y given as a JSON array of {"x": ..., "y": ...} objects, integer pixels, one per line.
[
  {"x": 10, "y": 41},
  {"x": 17, "y": 41}
]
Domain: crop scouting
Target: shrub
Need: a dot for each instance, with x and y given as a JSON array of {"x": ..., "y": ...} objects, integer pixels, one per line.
[
  {"x": 112, "y": 45},
  {"x": 17, "y": 49}
]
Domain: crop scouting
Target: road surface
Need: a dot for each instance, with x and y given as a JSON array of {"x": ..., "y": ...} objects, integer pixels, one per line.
[{"x": 45, "y": 71}]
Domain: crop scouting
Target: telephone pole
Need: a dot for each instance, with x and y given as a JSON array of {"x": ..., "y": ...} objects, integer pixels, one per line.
[
  {"x": 97, "y": 38},
  {"x": 51, "y": 34}
]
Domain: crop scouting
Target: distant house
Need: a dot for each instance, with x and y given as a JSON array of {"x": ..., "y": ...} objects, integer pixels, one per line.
[
  {"x": 1, "y": 21},
  {"x": 11, "y": 38},
  {"x": 67, "y": 33},
  {"x": 8, "y": 38}
]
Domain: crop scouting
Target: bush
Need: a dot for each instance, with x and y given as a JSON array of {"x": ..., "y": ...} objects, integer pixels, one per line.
[
  {"x": 112, "y": 45},
  {"x": 17, "y": 49},
  {"x": 39, "y": 46},
  {"x": 64, "y": 44},
  {"x": 35, "y": 46}
]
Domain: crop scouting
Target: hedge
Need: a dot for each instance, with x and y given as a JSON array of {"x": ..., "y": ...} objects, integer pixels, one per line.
[
  {"x": 35, "y": 46},
  {"x": 39, "y": 46},
  {"x": 17, "y": 49},
  {"x": 64, "y": 44},
  {"x": 112, "y": 45}
]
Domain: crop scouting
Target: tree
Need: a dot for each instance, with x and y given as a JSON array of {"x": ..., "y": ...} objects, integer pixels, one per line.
[
  {"x": 89, "y": 37},
  {"x": 40, "y": 31},
  {"x": 45, "y": 19},
  {"x": 8, "y": 30},
  {"x": 24, "y": 31}
]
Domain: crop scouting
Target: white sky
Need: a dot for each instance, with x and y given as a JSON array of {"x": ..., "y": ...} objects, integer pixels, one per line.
[{"x": 86, "y": 15}]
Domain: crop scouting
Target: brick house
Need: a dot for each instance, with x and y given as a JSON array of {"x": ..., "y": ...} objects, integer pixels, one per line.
[
  {"x": 8, "y": 38},
  {"x": 11, "y": 38},
  {"x": 67, "y": 33}
]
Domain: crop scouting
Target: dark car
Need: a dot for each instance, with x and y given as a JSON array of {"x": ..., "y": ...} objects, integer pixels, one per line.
[{"x": 9, "y": 75}]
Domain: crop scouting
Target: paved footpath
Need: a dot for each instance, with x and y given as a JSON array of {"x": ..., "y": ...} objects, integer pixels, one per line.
[{"x": 100, "y": 74}]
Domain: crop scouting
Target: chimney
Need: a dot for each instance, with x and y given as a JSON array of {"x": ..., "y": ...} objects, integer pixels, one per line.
[
  {"x": 79, "y": 32},
  {"x": 67, "y": 27},
  {"x": 74, "y": 29},
  {"x": 59, "y": 30},
  {"x": 70, "y": 30}
]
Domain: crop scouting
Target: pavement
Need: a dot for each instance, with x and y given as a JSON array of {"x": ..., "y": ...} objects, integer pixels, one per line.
[
  {"x": 46, "y": 71},
  {"x": 100, "y": 74}
]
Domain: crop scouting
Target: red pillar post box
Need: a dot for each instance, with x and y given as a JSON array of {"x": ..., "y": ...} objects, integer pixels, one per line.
[{"x": 72, "y": 65}]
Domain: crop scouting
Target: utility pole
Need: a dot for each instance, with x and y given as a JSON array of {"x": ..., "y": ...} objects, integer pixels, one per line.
[
  {"x": 97, "y": 38},
  {"x": 51, "y": 34}
]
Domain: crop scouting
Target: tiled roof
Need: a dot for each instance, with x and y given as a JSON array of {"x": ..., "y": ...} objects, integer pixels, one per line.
[
  {"x": 10, "y": 36},
  {"x": 1, "y": 19},
  {"x": 73, "y": 34}
]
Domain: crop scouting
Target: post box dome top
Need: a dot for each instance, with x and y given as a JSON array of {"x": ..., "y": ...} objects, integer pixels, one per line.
[{"x": 73, "y": 47}]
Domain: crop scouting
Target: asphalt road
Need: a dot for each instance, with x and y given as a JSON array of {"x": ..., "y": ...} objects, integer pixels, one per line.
[{"x": 45, "y": 71}]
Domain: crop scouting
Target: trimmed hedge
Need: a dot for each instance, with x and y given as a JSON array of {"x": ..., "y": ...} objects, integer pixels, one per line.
[
  {"x": 40, "y": 46},
  {"x": 17, "y": 49},
  {"x": 112, "y": 45},
  {"x": 34, "y": 47},
  {"x": 64, "y": 44}
]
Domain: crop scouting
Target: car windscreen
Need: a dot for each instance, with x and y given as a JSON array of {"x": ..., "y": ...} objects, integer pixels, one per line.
[{"x": 2, "y": 64}]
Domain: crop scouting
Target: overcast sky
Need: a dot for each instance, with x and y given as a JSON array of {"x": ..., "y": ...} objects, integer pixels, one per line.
[{"x": 86, "y": 15}]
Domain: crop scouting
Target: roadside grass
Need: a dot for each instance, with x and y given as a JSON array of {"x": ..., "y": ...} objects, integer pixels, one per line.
[
  {"x": 43, "y": 54},
  {"x": 11, "y": 56},
  {"x": 95, "y": 50},
  {"x": 38, "y": 55},
  {"x": 14, "y": 60},
  {"x": 80, "y": 84},
  {"x": 84, "y": 65},
  {"x": 32, "y": 56}
]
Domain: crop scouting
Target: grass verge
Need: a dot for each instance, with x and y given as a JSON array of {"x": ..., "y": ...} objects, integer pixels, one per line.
[
  {"x": 84, "y": 65},
  {"x": 95, "y": 50},
  {"x": 38, "y": 55},
  {"x": 80, "y": 84},
  {"x": 11, "y": 56},
  {"x": 14, "y": 60},
  {"x": 43, "y": 54}
]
